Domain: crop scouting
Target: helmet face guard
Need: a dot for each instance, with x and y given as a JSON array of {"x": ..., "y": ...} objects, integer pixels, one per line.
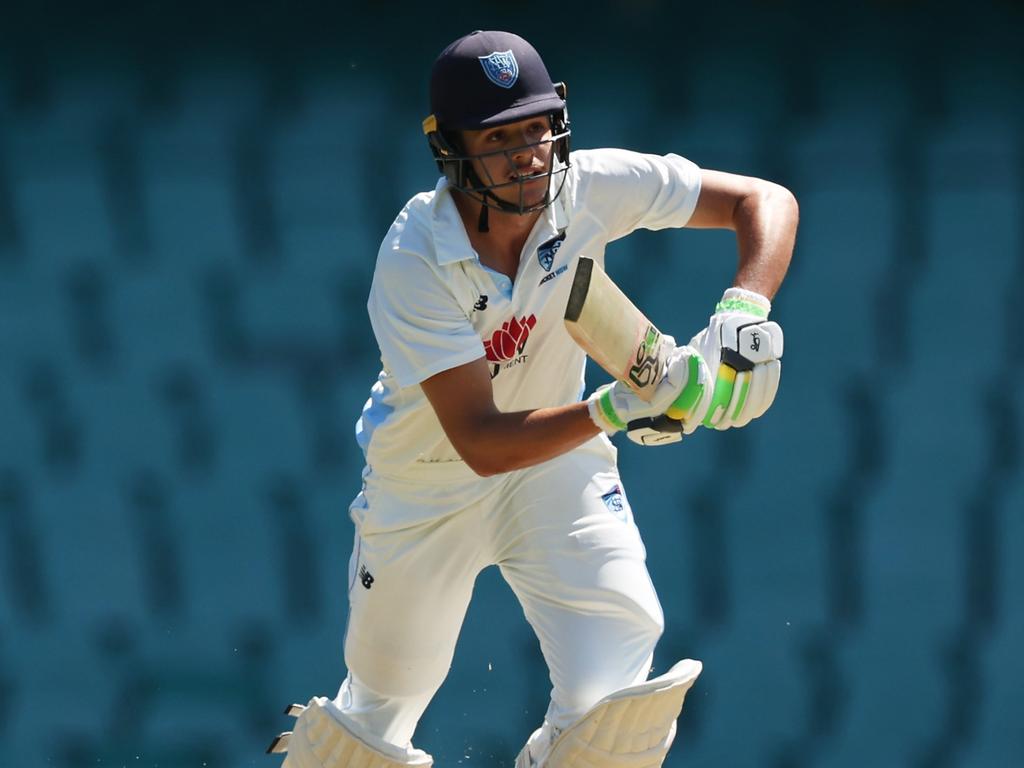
[{"x": 458, "y": 166}]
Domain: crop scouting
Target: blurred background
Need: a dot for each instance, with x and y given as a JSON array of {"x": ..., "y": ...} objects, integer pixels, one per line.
[{"x": 191, "y": 199}]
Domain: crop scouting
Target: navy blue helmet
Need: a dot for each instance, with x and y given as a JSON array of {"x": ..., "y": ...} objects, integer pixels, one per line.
[{"x": 486, "y": 79}]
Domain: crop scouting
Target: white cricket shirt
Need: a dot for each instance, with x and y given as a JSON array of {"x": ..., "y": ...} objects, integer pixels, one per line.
[{"x": 434, "y": 306}]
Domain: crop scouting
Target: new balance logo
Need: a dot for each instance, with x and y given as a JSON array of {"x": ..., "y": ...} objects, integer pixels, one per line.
[{"x": 365, "y": 577}]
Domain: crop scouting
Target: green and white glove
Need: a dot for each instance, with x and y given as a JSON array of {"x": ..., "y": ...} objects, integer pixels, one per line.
[
  {"x": 742, "y": 349},
  {"x": 684, "y": 386}
]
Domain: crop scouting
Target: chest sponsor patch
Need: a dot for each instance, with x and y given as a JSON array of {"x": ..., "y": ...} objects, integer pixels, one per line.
[
  {"x": 507, "y": 345},
  {"x": 553, "y": 275},
  {"x": 546, "y": 251}
]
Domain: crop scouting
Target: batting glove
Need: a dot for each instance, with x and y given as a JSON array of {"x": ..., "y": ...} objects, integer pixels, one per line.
[
  {"x": 683, "y": 387},
  {"x": 743, "y": 349}
]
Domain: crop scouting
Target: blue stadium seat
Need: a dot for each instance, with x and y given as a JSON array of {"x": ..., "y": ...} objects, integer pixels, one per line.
[
  {"x": 1000, "y": 666},
  {"x": 189, "y": 161},
  {"x": 191, "y": 207},
  {"x": 159, "y": 319},
  {"x": 323, "y": 178},
  {"x": 594, "y": 123},
  {"x": 716, "y": 141},
  {"x": 863, "y": 90},
  {"x": 35, "y": 333},
  {"x": 58, "y": 192}
]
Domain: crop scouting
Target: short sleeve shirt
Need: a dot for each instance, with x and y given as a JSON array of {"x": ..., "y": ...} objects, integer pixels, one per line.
[{"x": 433, "y": 305}]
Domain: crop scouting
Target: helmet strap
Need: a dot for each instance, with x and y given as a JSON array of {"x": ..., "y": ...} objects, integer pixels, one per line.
[
  {"x": 481, "y": 225},
  {"x": 475, "y": 182}
]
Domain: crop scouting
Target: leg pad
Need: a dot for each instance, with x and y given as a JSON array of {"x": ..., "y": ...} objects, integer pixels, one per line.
[
  {"x": 631, "y": 728},
  {"x": 324, "y": 737}
]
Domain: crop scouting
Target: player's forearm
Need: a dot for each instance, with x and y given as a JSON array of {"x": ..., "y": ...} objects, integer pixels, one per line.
[
  {"x": 503, "y": 442},
  {"x": 765, "y": 222}
]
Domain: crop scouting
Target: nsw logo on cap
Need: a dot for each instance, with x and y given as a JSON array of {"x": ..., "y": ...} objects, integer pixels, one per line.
[{"x": 501, "y": 68}]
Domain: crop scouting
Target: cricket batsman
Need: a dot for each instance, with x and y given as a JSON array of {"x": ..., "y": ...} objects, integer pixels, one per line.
[{"x": 481, "y": 448}]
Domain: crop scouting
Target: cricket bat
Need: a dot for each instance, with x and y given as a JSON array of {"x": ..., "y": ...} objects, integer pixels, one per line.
[
  {"x": 618, "y": 336},
  {"x": 613, "y": 331}
]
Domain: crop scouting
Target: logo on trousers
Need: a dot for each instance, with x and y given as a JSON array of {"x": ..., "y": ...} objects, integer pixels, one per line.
[{"x": 616, "y": 503}]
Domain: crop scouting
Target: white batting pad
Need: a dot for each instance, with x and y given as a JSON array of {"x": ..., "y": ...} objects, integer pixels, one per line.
[
  {"x": 631, "y": 728},
  {"x": 325, "y": 738}
]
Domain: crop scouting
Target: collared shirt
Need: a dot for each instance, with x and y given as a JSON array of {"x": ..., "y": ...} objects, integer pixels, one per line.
[{"x": 433, "y": 306}]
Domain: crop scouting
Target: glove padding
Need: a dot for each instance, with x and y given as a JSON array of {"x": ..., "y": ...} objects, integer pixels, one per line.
[
  {"x": 742, "y": 348},
  {"x": 683, "y": 386}
]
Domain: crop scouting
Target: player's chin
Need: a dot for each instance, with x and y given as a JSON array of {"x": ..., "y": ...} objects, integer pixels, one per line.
[{"x": 527, "y": 193}]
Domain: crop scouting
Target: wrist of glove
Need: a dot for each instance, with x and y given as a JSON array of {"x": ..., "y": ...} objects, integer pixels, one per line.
[
  {"x": 742, "y": 348},
  {"x": 684, "y": 385}
]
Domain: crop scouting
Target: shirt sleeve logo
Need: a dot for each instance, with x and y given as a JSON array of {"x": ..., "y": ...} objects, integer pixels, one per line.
[{"x": 501, "y": 68}]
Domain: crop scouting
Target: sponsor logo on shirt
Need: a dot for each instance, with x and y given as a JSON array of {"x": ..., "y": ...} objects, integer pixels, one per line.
[
  {"x": 553, "y": 275},
  {"x": 506, "y": 346},
  {"x": 546, "y": 251}
]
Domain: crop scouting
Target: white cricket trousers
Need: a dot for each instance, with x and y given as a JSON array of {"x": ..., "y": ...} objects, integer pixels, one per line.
[{"x": 563, "y": 536}]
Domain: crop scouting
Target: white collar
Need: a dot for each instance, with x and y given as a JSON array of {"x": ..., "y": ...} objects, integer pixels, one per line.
[{"x": 451, "y": 242}]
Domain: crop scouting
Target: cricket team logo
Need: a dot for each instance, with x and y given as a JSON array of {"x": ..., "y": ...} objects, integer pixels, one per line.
[
  {"x": 616, "y": 503},
  {"x": 506, "y": 346},
  {"x": 547, "y": 251},
  {"x": 501, "y": 68}
]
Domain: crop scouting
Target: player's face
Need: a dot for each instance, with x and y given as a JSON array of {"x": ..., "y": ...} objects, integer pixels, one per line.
[{"x": 510, "y": 153}]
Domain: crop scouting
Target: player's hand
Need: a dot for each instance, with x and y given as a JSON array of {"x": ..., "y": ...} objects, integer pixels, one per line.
[
  {"x": 742, "y": 348},
  {"x": 685, "y": 383}
]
